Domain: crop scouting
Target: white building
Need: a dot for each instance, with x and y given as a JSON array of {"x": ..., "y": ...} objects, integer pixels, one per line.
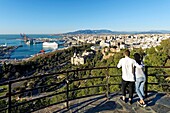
[
  {"x": 123, "y": 46},
  {"x": 104, "y": 44},
  {"x": 77, "y": 59}
]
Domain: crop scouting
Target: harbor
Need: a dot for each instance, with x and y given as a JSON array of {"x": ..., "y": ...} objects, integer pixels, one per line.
[{"x": 16, "y": 47}]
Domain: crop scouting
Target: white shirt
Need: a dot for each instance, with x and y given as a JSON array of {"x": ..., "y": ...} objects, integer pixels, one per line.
[
  {"x": 139, "y": 71},
  {"x": 127, "y": 65}
]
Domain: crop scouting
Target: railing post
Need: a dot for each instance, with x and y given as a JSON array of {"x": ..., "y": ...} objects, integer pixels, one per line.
[
  {"x": 67, "y": 91},
  {"x": 9, "y": 97},
  {"x": 77, "y": 72},
  {"x": 90, "y": 73},
  {"x": 146, "y": 83},
  {"x": 107, "y": 83}
]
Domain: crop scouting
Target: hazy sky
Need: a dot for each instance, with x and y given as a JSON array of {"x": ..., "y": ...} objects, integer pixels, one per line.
[{"x": 59, "y": 16}]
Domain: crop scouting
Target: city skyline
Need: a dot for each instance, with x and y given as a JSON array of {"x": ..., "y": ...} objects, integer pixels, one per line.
[{"x": 60, "y": 16}]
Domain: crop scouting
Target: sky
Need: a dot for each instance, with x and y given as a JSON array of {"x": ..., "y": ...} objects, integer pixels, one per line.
[{"x": 60, "y": 16}]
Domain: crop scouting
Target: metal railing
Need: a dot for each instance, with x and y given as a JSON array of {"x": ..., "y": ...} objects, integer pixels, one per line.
[{"x": 71, "y": 77}]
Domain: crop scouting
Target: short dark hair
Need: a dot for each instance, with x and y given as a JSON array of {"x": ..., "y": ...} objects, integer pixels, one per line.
[{"x": 127, "y": 53}]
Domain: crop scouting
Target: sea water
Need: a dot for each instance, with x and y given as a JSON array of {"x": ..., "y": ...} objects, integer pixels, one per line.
[{"x": 26, "y": 50}]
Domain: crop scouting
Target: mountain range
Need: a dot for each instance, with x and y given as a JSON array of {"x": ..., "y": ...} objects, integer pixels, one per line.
[{"x": 105, "y": 31}]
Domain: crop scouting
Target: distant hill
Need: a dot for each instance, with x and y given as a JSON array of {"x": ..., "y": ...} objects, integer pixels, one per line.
[
  {"x": 91, "y": 32},
  {"x": 104, "y": 31}
]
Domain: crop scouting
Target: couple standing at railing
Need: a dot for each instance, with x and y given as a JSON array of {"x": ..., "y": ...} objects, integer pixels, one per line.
[{"x": 132, "y": 73}]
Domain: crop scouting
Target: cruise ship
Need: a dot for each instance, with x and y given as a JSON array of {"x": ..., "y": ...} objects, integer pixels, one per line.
[{"x": 50, "y": 44}]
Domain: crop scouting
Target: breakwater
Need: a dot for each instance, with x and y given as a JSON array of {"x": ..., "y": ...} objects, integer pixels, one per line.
[{"x": 5, "y": 51}]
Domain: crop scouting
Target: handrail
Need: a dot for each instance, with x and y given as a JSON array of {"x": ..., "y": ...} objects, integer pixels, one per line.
[
  {"x": 67, "y": 81},
  {"x": 157, "y": 66},
  {"x": 62, "y": 72}
]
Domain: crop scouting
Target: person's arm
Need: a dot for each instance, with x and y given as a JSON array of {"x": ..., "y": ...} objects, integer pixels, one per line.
[
  {"x": 142, "y": 64},
  {"x": 137, "y": 65},
  {"x": 119, "y": 64}
]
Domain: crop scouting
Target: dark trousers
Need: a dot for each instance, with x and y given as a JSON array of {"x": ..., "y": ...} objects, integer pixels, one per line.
[{"x": 131, "y": 88}]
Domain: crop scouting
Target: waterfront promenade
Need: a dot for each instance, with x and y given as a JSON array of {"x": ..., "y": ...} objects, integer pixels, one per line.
[{"x": 156, "y": 103}]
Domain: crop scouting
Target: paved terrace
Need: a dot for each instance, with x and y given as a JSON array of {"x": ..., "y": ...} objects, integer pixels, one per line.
[{"x": 156, "y": 103}]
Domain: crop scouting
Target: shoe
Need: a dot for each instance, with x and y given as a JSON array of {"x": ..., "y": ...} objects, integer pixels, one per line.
[
  {"x": 123, "y": 100},
  {"x": 130, "y": 102},
  {"x": 141, "y": 104}
]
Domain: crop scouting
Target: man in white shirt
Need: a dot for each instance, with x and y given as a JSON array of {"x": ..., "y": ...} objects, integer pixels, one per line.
[{"x": 127, "y": 65}]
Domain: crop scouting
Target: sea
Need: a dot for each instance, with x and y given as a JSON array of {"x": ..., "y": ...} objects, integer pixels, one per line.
[{"x": 25, "y": 51}]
